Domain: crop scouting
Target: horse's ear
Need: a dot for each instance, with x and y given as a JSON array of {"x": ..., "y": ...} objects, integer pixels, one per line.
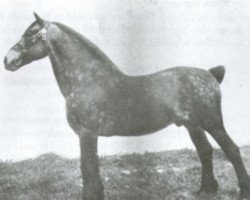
[{"x": 39, "y": 20}]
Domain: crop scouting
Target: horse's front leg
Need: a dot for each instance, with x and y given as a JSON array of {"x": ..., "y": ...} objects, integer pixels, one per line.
[{"x": 92, "y": 186}]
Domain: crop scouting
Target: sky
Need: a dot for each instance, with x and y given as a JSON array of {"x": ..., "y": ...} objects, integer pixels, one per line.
[{"x": 140, "y": 37}]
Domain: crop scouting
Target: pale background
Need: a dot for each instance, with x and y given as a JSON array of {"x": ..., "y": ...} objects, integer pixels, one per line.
[{"x": 140, "y": 36}]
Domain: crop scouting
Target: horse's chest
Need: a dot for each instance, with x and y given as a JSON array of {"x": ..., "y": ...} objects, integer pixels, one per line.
[{"x": 85, "y": 109}]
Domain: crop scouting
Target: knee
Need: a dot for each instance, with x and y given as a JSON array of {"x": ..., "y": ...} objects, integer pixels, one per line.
[{"x": 206, "y": 154}]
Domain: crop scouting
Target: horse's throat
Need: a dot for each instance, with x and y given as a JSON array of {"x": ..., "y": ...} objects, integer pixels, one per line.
[{"x": 64, "y": 72}]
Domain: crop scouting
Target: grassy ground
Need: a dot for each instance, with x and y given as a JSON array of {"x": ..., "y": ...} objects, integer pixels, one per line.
[{"x": 170, "y": 175}]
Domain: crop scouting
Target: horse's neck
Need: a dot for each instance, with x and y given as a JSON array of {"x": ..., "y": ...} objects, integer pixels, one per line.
[{"x": 76, "y": 64}]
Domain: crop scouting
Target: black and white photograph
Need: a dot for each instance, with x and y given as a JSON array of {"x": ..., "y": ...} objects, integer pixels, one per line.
[{"x": 124, "y": 100}]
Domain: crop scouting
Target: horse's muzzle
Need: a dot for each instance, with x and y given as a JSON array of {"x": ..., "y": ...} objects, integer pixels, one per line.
[{"x": 13, "y": 65}]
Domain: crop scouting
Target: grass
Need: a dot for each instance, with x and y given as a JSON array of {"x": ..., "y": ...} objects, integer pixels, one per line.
[{"x": 169, "y": 175}]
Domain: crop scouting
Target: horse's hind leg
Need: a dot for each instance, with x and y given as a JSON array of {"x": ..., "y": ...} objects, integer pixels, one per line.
[
  {"x": 232, "y": 151},
  {"x": 205, "y": 152}
]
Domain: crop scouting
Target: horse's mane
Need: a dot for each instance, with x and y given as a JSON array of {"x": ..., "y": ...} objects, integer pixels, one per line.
[{"x": 86, "y": 42}]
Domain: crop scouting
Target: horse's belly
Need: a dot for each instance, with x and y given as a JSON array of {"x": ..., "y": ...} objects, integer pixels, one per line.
[
  {"x": 144, "y": 129},
  {"x": 136, "y": 123},
  {"x": 130, "y": 130}
]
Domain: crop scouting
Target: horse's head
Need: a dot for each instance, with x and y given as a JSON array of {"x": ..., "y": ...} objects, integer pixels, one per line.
[{"x": 30, "y": 47}]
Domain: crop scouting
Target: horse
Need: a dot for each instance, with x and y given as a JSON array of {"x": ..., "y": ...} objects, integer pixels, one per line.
[{"x": 101, "y": 100}]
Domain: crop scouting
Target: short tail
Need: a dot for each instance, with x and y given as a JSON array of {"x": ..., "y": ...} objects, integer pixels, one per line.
[{"x": 218, "y": 72}]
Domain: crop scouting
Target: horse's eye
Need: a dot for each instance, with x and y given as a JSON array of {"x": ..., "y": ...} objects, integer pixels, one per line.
[{"x": 39, "y": 34}]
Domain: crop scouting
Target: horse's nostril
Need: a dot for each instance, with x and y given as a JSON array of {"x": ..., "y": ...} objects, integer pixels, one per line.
[{"x": 5, "y": 60}]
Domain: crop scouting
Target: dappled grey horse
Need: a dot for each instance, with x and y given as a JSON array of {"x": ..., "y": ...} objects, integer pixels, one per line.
[{"x": 103, "y": 101}]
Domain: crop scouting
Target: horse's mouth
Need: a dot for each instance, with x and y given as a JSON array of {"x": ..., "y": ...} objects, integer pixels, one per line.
[{"x": 15, "y": 64}]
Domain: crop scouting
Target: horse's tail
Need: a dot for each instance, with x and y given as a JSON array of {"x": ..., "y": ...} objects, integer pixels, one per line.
[{"x": 218, "y": 72}]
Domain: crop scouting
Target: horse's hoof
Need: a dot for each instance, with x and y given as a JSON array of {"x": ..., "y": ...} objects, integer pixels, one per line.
[
  {"x": 98, "y": 195},
  {"x": 201, "y": 192},
  {"x": 206, "y": 195},
  {"x": 245, "y": 195},
  {"x": 93, "y": 197},
  {"x": 209, "y": 186},
  {"x": 245, "y": 189}
]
